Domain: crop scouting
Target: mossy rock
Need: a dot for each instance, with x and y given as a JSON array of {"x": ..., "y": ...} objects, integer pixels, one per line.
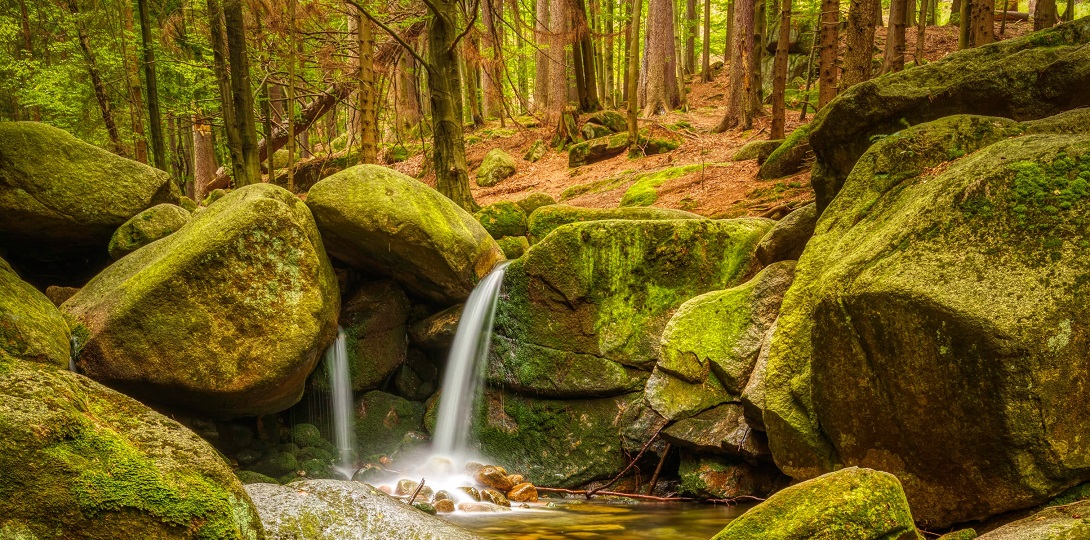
[
  {"x": 382, "y": 421},
  {"x": 384, "y": 222},
  {"x": 437, "y": 331},
  {"x": 146, "y": 227},
  {"x": 31, "y": 327},
  {"x": 966, "y": 238},
  {"x": 1057, "y": 523},
  {"x": 214, "y": 195},
  {"x": 718, "y": 477},
  {"x": 644, "y": 191},
  {"x": 788, "y": 237},
  {"x": 538, "y": 371},
  {"x": 504, "y": 218},
  {"x": 650, "y": 146},
  {"x": 280, "y": 158},
  {"x": 496, "y": 167},
  {"x": 534, "y": 201},
  {"x": 189, "y": 204},
  {"x": 225, "y": 317},
  {"x": 396, "y": 154},
  {"x": 546, "y": 219},
  {"x": 593, "y": 131},
  {"x": 790, "y": 157},
  {"x": 513, "y": 246},
  {"x": 343, "y": 510},
  {"x": 722, "y": 430},
  {"x": 851, "y": 504},
  {"x": 79, "y": 460},
  {"x": 595, "y": 150},
  {"x": 251, "y": 477},
  {"x": 536, "y": 151},
  {"x": 964, "y": 534},
  {"x": 675, "y": 398},
  {"x": 61, "y": 198},
  {"x": 759, "y": 150},
  {"x": 615, "y": 121},
  {"x": 607, "y": 288},
  {"x": 375, "y": 322},
  {"x": 1033, "y": 76}
]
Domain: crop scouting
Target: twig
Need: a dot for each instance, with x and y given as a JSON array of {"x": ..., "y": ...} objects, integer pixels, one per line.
[
  {"x": 417, "y": 492},
  {"x": 658, "y": 469},
  {"x": 615, "y": 494},
  {"x": 630, "y": 464},
  {"x": 734, "y": 500}
]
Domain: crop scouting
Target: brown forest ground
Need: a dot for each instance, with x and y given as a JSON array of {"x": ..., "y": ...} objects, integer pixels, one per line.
[{"x": 721, "y": 189}]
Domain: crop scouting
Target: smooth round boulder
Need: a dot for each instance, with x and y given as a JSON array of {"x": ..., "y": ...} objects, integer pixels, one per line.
[
  {"x": 31, "y": 327},
  {"x": 496, "y": 167},
  {"x": 504, "y": 218},
  {"x": 146, "y": 227},
  {"x": 78, "y": 460},
  {"x": 225, "y": 317},
  {"x": 386, "y": 223}
]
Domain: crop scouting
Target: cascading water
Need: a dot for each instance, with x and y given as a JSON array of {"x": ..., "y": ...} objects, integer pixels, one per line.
[
  {"x": 73, "y": 344},
  {"x": 465, "y": 364},
  {"x": 340, "y": 384}
]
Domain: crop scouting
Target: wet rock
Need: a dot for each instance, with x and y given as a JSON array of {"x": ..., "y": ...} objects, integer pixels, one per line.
[
  {"x": 721, "y": 430},
  {"x": 406, "y": 487},
  {"x": 494, "y": 497},
  {"x": 417, "y": 379},
  {"x": 523, "y": 492},
  {"x": 382, "y": 421},
  {"x": 472, "y": 492},
  {"x": 716, "y": 477},
  {"x": 480, "y": 507},
  {"x": 427, "y": 508},
  {"x": 493, "y": 477},
  {"x": 444, "y": 506},
  {"x": 437, "y": 332}
]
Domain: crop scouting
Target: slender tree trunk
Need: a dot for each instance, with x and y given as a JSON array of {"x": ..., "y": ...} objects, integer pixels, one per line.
[
  {"x": 1045, "y": 14},
  {"x": 742, "y": 41},
  {"x": 779, "y": 73},
  {"x": 921, "y": 32},
  {"x": 242, "y": 95},
  {"x": 445, "y": 86},
  {"x": 291, "y": 97},
  {"x": 729, "y": 37},
  {"x": 223, "y": 80},
  {"x": 658, "y": 82},
  {"x": 365, "y": 46},
  {"x": 472, "y": 76},
  {"x": 859, "y": 42},
  {"x": 633, "y": 68},
  {"x": 910, "y": 13},
  {"x": 408, "y": 108},
  {"x": 580, "y": 75},
  {"x": 894, "y": 58},
  {"x": 608, "y": 79},
  {"x": 542, "y": 61},
  {"x": 586, "y": 48},
  {"x": 1069, "y": 11},
  {"x": 755, "y": 85},
  {"x": 491, "y": 11},
  {"x": 984, "y": 22},
  {"x": 691, "y": 19},
  {"x": 626, "y": 74},
  {"x": 705, "y": 56},
  {"x": 955, "y": 13},
  {"x": 204, "y": 157},
  {"x": 558, "y": 71},
  {"x": 830, "y": 22},
  {"x": 28, "y": 48},
  {"x": 132, "y": 81},
  {"x": 96, "y": 79},
  {"x": 151, "y": 83},
  {"x": 965, "y": 25}
]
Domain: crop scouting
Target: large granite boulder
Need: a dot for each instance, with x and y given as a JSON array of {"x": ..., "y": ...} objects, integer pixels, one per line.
[
  {"x": 1067, "y": 522},
  {"x": 935, "y": 328},
  {"x": 225, "y": 317},
  {"x": 31, "y": 327},
  {"x": 342, "y": 510},
  {"x": 146, "y": 227},
  {"x": 62, "y": 199},
  {"x": 80, "y": 461},
  {"x": 1033, "y": 76},
  {"x": 374, "y": 319},
  {"x": 851, "y": 504},
  {"x": 545, "y": 219},
  {"x": 496, "y": 167},
  {"x": 384, "y": 222}
]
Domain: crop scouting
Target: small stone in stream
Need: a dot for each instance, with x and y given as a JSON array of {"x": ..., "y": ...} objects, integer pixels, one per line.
[
  {"x": 439, "y": 465},
  {"x": 406, "y": 487},
  {"x": 480, "y": 507},
  {"x": 472, "y": 492},
  {"x": 523, "y": 492},
  {"x": 516, "y": 479},
  {"x": 494, "y": 497},
  {"x": 493, "y": 477},
  {"x": 425, "y": 494},
  {"x": 425, "y": 507},
  {"x": 442, "y": 494},
  {"x": 384, "y": 489},
  {"x": 524, "y": 505},
  {"x": 472, "y": 467},
  {"x": 444, "y": 506}
]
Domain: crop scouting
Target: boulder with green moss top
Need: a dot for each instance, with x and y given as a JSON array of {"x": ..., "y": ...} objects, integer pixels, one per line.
[
  {"x": 382, "y": 421},
  {"x": 644, "y": 190},
  {"x": 650, "y": 146},
  {"x": 718, "y": 477},
  {"x": 382, "y": 221},
  {"x": 374, "y": 319},
  {"x": 790, "y": 157},
  {"x": 504, "y": 218},
  {"x": 722, "y": 430},
  {"x": 552, "y": 373},
  {"x": 395, "y": 154},
  {"x": 534, "y": 201},
  {"x": 31, "y": 327},
  {"x": 251, "y": 477},
  {"x": 63, "y": 198},
  {"x": 968, "y": 534},
  {"x": 189, "y": 204},
  {"x": 79, "y": 460},
  {"x": 513, "y": 246},
  {"x": 593, "y": 131},
  {"x": 225, "y": 317},
  {"x": 146, "y": 227},
  {"x": 759, "y": 150},
  {"x": 437, "y": 331},
  {"x": 496, "y": 167},
  {"x": 594, "y": 150},
  {"x": 675, "y": 398},
  {"x": 850, "y": 504},
  {"x": 613, "y": 120},
  {"x": 608, "y": 288},
  {"x": 343, "y": 510},
  {"x": 536, "y": 151},
  {"x": 544, "y": 220},
  {"x": 942, "y": 283},
  {"x": 788, "y": 237},
  {"x": 1068, "y": 522},
  {"x": 214, "y": 195},
  {"x": 1033, "y": 76}
]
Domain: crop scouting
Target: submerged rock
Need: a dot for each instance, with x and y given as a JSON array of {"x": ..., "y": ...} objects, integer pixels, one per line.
[
  {"x": 226, "y": 317},
  {"x": 851, "y": 504},
  {"x": 343, "y": 510},
  {"x": 78, "y": 460},
  {"x": 31, "y": 327},
  {"x": 382, "y": 221},
  {"x": 146, "y": 227},
  {"x": 496, "y": 167}
]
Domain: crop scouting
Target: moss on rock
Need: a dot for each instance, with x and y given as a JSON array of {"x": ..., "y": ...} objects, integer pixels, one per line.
[
  {"x": 717, "y": 477},
  {"x": 540, "y": 371},
  {"x": 496, "y": 167},
  {"x": 504, "y": 218},
  {"x": 788, "y": 237},
  {"x": 790, "y": 157},
  {"x": 544, "y": 220},
  {"x": 146, "y": 227},
  {"x": 644, "y": 191},
  {"x": 374, "y": 319},
  {"x": 759, "y": 150},
  {"x": 534, "y": 201},
  {"x": 248, "y": 277},
  {"x": 594, "y": 150},
  {"x": 513, "y": 246},
  {"x": 31, "y": 327},
  {"x": 382, "y": 421}
]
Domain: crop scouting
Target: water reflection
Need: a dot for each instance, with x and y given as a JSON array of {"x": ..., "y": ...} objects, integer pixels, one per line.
[{"x": 599, "y": 520}]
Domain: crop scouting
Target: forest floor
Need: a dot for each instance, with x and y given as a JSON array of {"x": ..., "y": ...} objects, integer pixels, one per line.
[{"x": 719, "y": 189}]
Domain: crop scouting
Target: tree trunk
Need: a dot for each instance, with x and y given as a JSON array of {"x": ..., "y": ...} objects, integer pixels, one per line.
[
  {"x": 779, "y": 73},
  {"x": 626, "y": 61},
  {"x": 910, "y": 13},
  {"x": 984, "y": 22},
  {"x": 472, "y": 75},
  {"x": 542, "y": 60},
  {"x": 633, "y": 68},
  {"x": 894, "y": 58},
  {"x": 223, "y": 80},
  {"x": 1069, "y": 11},
  {"x": 741, "y": 41},
  {"x": 445, "y": 87},
  {"x": 965, "y": 25},
  {"x": 607, "y": 70},
  {"x": 658, "y": 82},
  {"x": 365, "y": 46},
  {"x": 691, "y": 19},
  {"x": 755, "y": 85},
  {"x": 955, "y": 13},
  {"x": 859, "y": 42},
  {"x": 96, "y": 79},
  {"x": 493, "y": 106},
  {"x": 830, "y": 22},
  {"x": 28, "y": 47},
  {"x": 558, "y": 71},
  {"x": 204, "y": 157},
  {"x": 705, "y": 56},
  {"x": 152, "y": 85},
  {"x": 291, "y": 98},
  {"x": 132, "y": 81},
  {"x": 241, "y": 94},
  {"x": 407, "y": 114},
  {"x": 729, "y": 37},
  {"x": 1045, "y": 14},
  {"x": 921, "y": 32},
  {"x": 586, "y": 48}
]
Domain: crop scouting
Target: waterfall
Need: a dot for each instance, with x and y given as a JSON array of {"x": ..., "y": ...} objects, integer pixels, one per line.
[
  {"x": 465, "y": 366},
  {"x": 340, "y": 384},
  {"x": 73, "y": 352}
]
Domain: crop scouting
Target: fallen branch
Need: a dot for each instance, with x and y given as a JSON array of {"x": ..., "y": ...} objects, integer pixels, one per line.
[
  {"x": 630, "y": 464},
  {"x": 735, "y": 500},
  {"x": 615, "y": 494},
  {"x": 658, "y": 469},
  {"x": 417, "y": 492}
]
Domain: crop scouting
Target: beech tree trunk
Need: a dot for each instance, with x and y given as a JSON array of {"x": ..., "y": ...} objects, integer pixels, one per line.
[
  {"x": 152, "y": 85},
  {"x": 586, "y": 49},
  {"x": 741, "y": 41},
  {"x": 779, "y": 73},
  {"x": 542, "y": 60},
  {"x": 894, "y": 58},
  {"x": 132, "y": 82},
  {"x": 241, "y": 93},
  {"x": 445, "y": 86},
  {"x": 859, "y": 42},
  {"x": 830, "y": 23},
  {"x": 658, "y": 81}
]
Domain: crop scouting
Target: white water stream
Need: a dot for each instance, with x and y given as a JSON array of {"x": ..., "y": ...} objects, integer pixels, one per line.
[{"x": 340, "y": 384}]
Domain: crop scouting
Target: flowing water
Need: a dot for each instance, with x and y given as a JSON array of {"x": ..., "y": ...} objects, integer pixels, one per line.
[
  {"x": 340, "y": 384},
  {"x": 73, "y": 343}
]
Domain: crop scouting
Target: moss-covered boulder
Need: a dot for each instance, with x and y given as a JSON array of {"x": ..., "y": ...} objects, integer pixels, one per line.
[
  {"x": 552, "y": 373},
  {"x": 382, "y": 221},
  {"x": 504, "y": 218},
  {"x": 788, "y": 237},
  {"x": 382, "y": 422},
  {"x": 146, "y": 227},
  {"x": 644, "y": 188},
  {"x": 718, "y": 477},
  {"x": 613, "y": 120},
  {"x": 437, "y": 331},
  {"x": 593, "y": 131},
  {"x": 759, "y": 150},
  {"x": 753, "y": 395},
  {"x": 496, "y": 167},
  {"x": 1068, "y": 522},
  {"x": 342, "y": 510},
  {"x": 851, "y": 504},
  {"x": 721, "y": 430},
  {"x": 78, "y": 460},
  {"x": 943, "y": 282},
  {"x": 536, "y": 151},
  {"x": 790, "y": 157},
  {"x": 1033, "y": 76},
  {"x": 61, "y": 198},
  {"x": 31, "y": 327},
  {"x": 374, "y": 319},
  {"x": 513, "y": 246},
  {"x": 543, "y": 220},
  {"x": 225, "y": 317},
  {"x": 534, "y": 201},
  {"x": 594, "y": 150}
]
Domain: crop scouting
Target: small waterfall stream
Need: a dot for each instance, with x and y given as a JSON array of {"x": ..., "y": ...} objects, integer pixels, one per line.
[
  {"x": 340, "y": 384},
  {"x": 465, "y": 366}
]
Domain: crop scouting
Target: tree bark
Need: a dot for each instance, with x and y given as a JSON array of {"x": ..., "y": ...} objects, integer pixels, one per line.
[
  {"x": 859, "y": 42},
  {"x": 921, "y": 32},
  {"x": 204, "y": 157},
  {"x": 965, "y": 25},
  {"x": 223, "y": 81},
  {"x": 741, "y": 41},
  {"x": 449, "y": 154},
  {"x": 151, "y": 83},
  {"x": 471, "y": 76},
  {"x": 830, "y": 22},
  {"x": 1045, "y": 14},
  {"x": 542, "y": 60},
  {"x": 558, "y": 71},
  {"x": 779, "y": 73},
  {"x": 691, "y": 19},
  {"x": 365, "y": 46},
  {"x": 586, "y": 48},
  {"x": 493, "y": 106},
  {"x": 658, "y": 82},
  {"x": 241, "y": 94},
  {"x": 96, "y": 79},
  {"x": 705, "y": 57},
  {"x": 633, "y": 68},
  {"x": 729, "y": 37},
  {"x": 755, "y": 85},
  {"x": 608, "y": 81},
  {"x": 984, "y": 22},
  {"x": 894, "y": 58},
  {"x": 132, "y": 81}
]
